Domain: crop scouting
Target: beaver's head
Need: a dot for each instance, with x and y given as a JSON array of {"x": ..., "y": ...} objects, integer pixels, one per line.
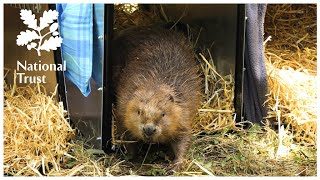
[{"x": 153, "y": 114}]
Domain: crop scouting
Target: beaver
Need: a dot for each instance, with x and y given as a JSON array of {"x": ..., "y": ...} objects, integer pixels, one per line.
[{"x": 157, "y": 87}]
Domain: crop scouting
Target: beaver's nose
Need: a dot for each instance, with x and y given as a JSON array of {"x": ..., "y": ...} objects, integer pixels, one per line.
[{"x": 149, "y": 129}]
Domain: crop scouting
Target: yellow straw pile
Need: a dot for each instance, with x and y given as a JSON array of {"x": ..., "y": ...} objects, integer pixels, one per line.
[
  {"x": 291, "y": 61},
  {"x": 36, "y": 133}
]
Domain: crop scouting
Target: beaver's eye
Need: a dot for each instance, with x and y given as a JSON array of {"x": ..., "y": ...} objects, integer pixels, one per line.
[
  {"x": 139, "y": 112},
  {"x": 163, "y": 114}
]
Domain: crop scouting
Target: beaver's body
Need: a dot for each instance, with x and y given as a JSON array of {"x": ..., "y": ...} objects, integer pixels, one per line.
[{"x": 157, "y": 88}]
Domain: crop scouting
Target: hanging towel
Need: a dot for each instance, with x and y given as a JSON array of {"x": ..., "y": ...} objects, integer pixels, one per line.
[
  {"x": 98, "y": 43},
  {"x": 75, "y": 26},
  {"x": 255, "y": 77}
]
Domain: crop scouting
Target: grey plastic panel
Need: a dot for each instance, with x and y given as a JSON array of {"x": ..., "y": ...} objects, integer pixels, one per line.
[
  {"x": 86, "y": 112},
  {"x": 219, "y": 23}
]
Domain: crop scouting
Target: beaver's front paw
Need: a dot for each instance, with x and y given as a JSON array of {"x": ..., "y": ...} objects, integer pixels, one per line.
[{"x": 175, "y": 166}]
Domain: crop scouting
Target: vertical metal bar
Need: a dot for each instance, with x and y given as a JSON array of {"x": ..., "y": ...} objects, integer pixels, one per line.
[
  {"x": 60, "y": 74},
  {"x": 239, "y": 68},
  {"x": 107, "y": 77}
]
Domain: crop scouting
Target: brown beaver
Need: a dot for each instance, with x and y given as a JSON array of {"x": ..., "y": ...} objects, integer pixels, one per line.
[{"x": 158, "y": 87}]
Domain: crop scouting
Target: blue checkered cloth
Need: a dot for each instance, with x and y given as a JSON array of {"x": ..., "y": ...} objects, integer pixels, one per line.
[
  {"x": 76, "y": 26},
  {"x": 98, "y": 43}
]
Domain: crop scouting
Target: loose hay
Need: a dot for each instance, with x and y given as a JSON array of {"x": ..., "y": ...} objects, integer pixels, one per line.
[
  {"x": 291, "y": 62},
  {"x": 217, "y": 110},
  {"x": 293, "y": 98},
  {"x": 251, "y": 152},
  {"x": 38, "y": 138},
  {"x": 36, "y": 133},
  {"x": 292, "y": 26},
  {"x": 130, "y": 15}
]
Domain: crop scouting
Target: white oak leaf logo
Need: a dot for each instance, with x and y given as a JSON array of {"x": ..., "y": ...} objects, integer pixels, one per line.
[
  {"x": 51, "y": 43},
  {"x": 31, "y": 45},
  {"x": 28, "y": 18},
  {"x": 53, "y": 27},
  {"x": 27, "y": 37},
  {"x": 47, "y": 18}
]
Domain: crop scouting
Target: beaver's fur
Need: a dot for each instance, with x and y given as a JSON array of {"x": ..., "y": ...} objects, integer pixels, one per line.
[{"x": 158, "y": 83}]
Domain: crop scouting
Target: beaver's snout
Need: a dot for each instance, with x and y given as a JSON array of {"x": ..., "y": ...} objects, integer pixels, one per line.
[{"x": 149, "y": 129}]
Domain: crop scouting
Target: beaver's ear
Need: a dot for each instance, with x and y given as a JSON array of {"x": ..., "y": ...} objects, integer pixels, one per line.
[{"x": 171, "y": 98}]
